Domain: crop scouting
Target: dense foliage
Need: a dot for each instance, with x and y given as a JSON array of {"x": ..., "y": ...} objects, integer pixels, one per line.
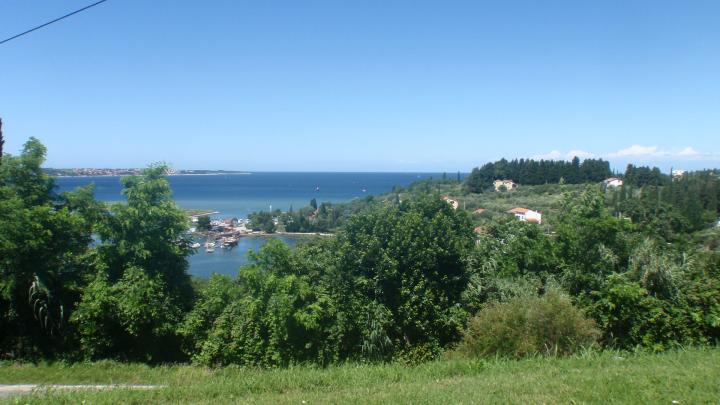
[
  {"x": 667, "y": 207},
  {"x": 388, "y": 286},
  {"x": 404, "y": 278},
  {"x": 640, "y": 291},
  {"x": 533, "y": 172},
  {"x": 140, "y": 288},
  {"x": 44, "y": 238},
  {"x": 262, "y": 221},
  {"x": 527, "y": 326},
  {"x": 203, "y": 223}
]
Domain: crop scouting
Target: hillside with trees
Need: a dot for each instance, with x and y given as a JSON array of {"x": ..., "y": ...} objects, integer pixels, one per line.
[
  {"x": 535, "y": 172},
  {"x": 406, "y": 277}
]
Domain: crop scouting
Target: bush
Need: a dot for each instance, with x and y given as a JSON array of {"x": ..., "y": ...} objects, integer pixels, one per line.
[
  {"x": 266, "y": 317},
  {"x": 131, "y": 319},
  {"x": 527, "y": 326}
]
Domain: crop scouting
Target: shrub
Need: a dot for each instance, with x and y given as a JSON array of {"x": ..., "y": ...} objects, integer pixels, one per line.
[
  {"x": 527, "y": 326},
  {"x": 132, "y": 319}
]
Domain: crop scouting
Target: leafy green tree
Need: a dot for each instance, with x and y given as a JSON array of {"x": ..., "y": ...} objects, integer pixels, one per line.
[
  {"x": 203, "y": 223},
  {"x": 142, "y": 286},
  {"x": 214, "y": 298},
  {"x": 590, "y": 242},
  {"x": 262, "y": 221},
  {"x": 388, "y": 287},
  {"x": 513, "y": 259},
  {"x": 43, "y": 241},
  {"x": 133, "y": 318},
  {"x": 661, "y": 301},
  {"x": 272, "y": 315},
  {"x": 408, "y": 258}
]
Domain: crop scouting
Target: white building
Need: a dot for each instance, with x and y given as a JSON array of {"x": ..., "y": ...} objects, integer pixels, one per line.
[
  {"x": 508, "y": 184},
  {"x": 612, "y": 182},
  {"x": 455, "y": 204},
  {"x": 525, "y": 214},
  {"x": 676, "y": 174}
]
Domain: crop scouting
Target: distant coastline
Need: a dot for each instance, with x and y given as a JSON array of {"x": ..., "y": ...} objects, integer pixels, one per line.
[
  {"x": 130, "y": 174},
  {"x": 91, "y": 172}
]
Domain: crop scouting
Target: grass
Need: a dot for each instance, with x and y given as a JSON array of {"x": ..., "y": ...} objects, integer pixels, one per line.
[{"x": 687, "y": 376}]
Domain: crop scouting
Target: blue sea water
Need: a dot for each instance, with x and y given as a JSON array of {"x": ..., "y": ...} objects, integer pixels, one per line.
[
  {"x": 237, "y": 195},
  {"x": 240, "y": 194},
  {"x": 224, "y": 261}
]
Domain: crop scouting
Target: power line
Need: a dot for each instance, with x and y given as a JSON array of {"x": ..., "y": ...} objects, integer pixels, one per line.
[{"x": 50, "y": 22}]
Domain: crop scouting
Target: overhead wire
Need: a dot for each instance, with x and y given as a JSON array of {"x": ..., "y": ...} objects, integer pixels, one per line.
[{"x": 50, "y": 22}]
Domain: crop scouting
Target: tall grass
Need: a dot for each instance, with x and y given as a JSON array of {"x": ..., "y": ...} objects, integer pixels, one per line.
[{"x": 688, "y": 376}]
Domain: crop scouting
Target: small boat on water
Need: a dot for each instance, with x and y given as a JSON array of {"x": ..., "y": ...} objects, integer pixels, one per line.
[
  {"x": 209, "y": 250},
  {"x": 195, "y": 245},
  {"x": 227, "y": 243},
  {"x": 209, "y": 245}
]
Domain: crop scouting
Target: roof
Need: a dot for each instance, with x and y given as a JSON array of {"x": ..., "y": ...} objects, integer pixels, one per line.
[
  {"x": 480, "y": 230},
  {"x": 479, "y": 211},
  {"x": 519, "y": 210},
  {"x": 533, "y": 220},
  {"x": 455, "y": 204}
]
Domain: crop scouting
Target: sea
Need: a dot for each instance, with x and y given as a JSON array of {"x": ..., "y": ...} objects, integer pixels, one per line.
[{"x": 237, "y": 195}]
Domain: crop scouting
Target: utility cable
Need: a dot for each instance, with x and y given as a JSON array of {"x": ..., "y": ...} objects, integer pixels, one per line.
[{"x": 50, "y": 22}]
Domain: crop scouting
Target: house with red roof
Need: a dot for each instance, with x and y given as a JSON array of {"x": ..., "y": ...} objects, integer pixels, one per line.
[{"x": 526, "y": 214}]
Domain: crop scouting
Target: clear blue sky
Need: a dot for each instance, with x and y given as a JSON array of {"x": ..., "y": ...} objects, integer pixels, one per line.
[{"x": 362, "y": 85}]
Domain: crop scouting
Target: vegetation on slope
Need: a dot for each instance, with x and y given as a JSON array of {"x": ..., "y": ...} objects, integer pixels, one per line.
[{"x": 398, "y": 282}]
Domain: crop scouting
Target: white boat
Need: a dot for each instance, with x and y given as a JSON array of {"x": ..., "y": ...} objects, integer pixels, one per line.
[
  {"x": 195, "y": 245},
  {"x": 209, "y": 245},
  {"x": 209, "y": 250}
]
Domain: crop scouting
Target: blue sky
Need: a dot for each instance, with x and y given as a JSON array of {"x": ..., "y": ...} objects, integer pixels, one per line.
[{"x": 362, "y": 85}]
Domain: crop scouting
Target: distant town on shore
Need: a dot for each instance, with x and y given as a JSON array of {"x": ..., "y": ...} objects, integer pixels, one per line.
[{"x": 86, "y": 171}]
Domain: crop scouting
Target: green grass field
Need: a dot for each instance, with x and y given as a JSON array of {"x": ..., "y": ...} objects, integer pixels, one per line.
[{"x": 689, "y": 377}]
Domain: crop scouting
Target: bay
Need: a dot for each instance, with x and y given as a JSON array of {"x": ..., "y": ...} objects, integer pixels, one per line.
[{"x": 237, "y": 195}]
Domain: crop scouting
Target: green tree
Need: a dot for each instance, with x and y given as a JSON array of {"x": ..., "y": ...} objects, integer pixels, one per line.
[
  {"x": 272, "y": 315},
  {"x": 408, "y": 258},
  {"x": 590, "y": 243},
  {"x": 43, "y": 241},
  {"x": 262, "y": 221},
  {"x": 203, "y": 223},
  {"x": 513, "y": 259},
  {"x": 141, "y": 287}
]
